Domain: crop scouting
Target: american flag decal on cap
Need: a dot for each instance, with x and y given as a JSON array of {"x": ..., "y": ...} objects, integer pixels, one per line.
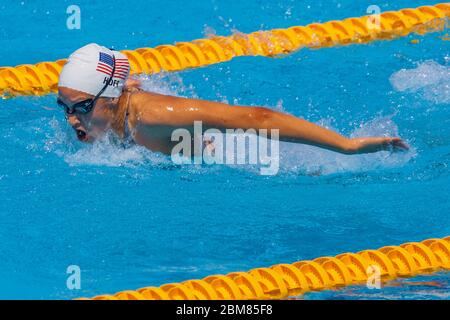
[{"x": 105, "y": 65}]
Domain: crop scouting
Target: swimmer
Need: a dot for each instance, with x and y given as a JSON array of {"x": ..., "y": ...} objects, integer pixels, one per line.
[{"x": 97, "y": 96}]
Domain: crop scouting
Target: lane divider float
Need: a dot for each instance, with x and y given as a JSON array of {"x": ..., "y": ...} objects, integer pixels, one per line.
[
  {"x": 42, "y": 78},
  {"x": 285, "y": 280}
]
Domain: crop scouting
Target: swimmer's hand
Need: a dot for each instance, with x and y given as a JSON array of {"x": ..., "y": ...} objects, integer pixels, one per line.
[
  {"x": 132, "y": 85},
  {"x": 398, "y": 144},
  {"x": 375, "y": 144}
]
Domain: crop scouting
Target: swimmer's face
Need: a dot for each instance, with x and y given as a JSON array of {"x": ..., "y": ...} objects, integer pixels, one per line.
[{"x": 92, "y": 125}]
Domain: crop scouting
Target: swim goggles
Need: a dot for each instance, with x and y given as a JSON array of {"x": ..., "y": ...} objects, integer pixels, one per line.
[{"x": 87, "y": 105}]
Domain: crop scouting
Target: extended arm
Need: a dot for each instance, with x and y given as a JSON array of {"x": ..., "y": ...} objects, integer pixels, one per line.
[{"x": 176, "y": 112}]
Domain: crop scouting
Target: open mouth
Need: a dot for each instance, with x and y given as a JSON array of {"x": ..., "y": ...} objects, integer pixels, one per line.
[{"x": 81, "y": 135}]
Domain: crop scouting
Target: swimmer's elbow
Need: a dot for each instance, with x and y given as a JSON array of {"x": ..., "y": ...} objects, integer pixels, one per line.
[{"x": 260, "y": 116}]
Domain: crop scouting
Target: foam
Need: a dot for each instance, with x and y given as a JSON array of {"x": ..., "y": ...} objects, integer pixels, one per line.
[{"x": 430, "y": 79}]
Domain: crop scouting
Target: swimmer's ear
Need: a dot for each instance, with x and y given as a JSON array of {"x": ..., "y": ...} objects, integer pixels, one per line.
[{"x": 132, "y": 85}]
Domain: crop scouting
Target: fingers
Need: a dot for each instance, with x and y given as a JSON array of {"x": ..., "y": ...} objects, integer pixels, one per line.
[{"x": 399, "y": 145}]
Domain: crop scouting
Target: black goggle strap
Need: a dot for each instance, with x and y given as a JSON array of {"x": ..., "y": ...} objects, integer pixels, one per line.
[{"x": 109, "y": 80}]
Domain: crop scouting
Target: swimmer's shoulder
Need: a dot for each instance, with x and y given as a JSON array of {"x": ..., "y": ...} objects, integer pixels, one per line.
[
  {"x": 150, "y": 107},
  {"x": 146, "y": 99}
]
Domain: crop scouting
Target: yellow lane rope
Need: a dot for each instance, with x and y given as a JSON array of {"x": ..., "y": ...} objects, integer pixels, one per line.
[
  {"x": 283, "y": 280},
  {"x": 42, "y": 78}
]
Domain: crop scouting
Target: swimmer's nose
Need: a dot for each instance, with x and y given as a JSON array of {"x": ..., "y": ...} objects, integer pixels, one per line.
[
  {"x": 70, "y": 116},
  {"x": 72, "y": 119},
  {"x": 77, "y": 126}
]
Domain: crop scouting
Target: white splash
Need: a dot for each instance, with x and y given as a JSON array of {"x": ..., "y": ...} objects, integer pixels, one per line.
[
  {"x": 108, "y": 151},
  {"x": 294, "y": 158},
  {"x": 309, "y": 160},
  {"x": 429, "y": 79}
]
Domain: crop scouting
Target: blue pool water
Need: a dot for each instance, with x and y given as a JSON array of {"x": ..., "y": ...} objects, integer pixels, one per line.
[{"x": 130, "y": 218}]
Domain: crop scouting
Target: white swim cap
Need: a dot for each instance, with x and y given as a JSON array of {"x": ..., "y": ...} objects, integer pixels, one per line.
[{"x": 89, "y": 68}]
